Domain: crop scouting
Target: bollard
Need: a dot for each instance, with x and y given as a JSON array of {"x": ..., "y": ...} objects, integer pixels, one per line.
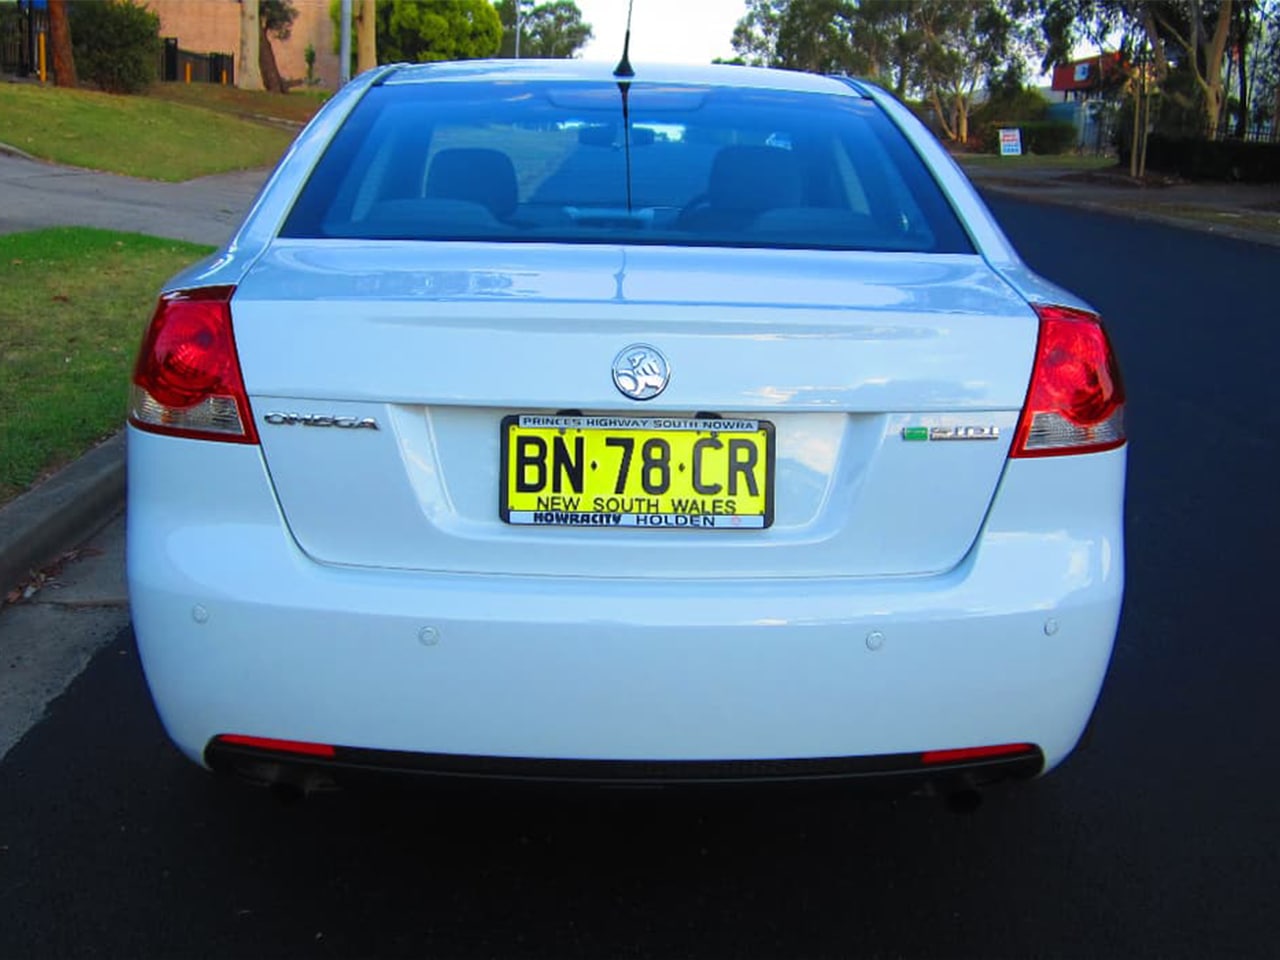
[
  {"x": 43, "y": 66},
  {"x": 188, "y": 72}
]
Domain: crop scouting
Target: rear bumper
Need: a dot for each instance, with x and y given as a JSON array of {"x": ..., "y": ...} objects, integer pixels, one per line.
[
  {"x": 242, "y": 633},
  {"x": 347, "y": 764}
]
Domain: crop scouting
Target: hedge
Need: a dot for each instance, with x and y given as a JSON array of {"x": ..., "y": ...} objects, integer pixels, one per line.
[{"x": 1213, "y": 159}]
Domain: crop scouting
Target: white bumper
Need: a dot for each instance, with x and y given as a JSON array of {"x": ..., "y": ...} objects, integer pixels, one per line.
[{"x": 240, "y": 632}]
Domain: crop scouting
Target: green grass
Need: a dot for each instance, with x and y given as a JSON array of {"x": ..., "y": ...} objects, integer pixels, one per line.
[
  {"x": 1065, "y": 161},
  {"x": 299, "y": 106},
  {"x": 139, "y": 136},
  {"x": 1257, "y": 220},
  {"x": 73, "y": 303}
]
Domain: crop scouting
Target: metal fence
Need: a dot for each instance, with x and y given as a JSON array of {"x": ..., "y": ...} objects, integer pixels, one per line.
[
  {"x": 20, "y": 25},
  {"x": 1265, "y": 132},
  {"x": 183, "y": 66}
]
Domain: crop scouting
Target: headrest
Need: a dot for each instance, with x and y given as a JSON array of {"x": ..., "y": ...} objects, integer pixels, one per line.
[
  {"x": 476, "y": 175},
  {"x": 752, "y": 179}
]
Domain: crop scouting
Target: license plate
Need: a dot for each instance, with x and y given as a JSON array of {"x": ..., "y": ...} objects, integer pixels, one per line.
[{"x": 661, "y": 472}]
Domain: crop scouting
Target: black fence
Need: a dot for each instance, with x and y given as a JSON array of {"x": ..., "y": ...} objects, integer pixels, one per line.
[
  {"x": 20, "y": 25},
  {"x": 183, "y": 66}
]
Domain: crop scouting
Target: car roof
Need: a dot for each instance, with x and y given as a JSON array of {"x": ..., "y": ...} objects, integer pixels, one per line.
[{"x": 721, "y": 75}]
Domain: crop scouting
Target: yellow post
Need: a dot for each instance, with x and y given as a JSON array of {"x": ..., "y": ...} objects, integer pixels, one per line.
[
  {"x": 224, "y": 78},
  {"x": 40, "y": 45},
  {"x": 188, "y": 72}
]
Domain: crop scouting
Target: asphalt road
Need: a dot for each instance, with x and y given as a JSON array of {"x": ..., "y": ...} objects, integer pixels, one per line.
[
  {"x": 1161, "y": 840},
  {"x": 204, "y": 210}
]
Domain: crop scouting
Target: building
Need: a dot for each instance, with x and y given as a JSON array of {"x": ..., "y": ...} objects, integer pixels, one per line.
[
  {"x": 1090, "y": 78},
  {"x": 213, "y": 26}
]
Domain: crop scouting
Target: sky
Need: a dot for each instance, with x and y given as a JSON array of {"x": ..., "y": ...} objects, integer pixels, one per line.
[{"x": 662, "y": 31}]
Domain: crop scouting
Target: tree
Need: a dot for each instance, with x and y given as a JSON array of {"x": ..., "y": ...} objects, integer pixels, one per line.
[
  {"x": 1203, "y": 38},
  {"x": 1188, "y": 41},
  {"x": 64, "y": 61},
  {"x": 755, "y": 38},
  {"x": 961, "y": 45},
  {"x": 549, "y": 31},
  {"x": 943, "y": 50},
  {"x": 248, "y": 71},
  {"x": 366, "y": 36},
  {"x": 427, "y": 30},
  {"x": 275, "y": 19}
]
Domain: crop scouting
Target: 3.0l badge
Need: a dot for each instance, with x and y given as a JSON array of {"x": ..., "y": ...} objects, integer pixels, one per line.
[{"x": 963, "y": 432}]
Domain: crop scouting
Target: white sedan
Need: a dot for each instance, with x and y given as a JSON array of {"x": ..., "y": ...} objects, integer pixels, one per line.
[{"x": 692, "y": 426}]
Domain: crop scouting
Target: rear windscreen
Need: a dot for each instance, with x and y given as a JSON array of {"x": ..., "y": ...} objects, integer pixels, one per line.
[{"x": 582, "y": 163}]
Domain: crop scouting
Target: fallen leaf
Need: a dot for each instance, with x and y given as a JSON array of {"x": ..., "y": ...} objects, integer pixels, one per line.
[{"x": 61, "y": 298}]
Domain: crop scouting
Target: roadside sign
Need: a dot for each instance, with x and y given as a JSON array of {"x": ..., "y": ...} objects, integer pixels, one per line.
[{"x": 1011, "y": 143}]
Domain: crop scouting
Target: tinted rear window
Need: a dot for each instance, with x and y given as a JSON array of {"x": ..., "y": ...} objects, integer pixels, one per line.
[{"x": 555, "y": 162}]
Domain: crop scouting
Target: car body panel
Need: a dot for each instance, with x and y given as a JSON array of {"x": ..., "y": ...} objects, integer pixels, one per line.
[
  {"x": 439, "y": 342},
  {"x": 241, "y": 632}
]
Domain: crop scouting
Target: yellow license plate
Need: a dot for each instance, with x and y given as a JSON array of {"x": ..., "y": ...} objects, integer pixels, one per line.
[{"x": 613, "y": 471}]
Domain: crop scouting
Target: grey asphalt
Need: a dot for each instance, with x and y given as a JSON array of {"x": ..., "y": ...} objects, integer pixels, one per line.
[{"x": 206, "y": 210}]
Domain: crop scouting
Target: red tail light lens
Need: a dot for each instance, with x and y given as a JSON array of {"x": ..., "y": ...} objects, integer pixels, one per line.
[
  {"x": 187, "y": 379},
  {"x": 1076, "y": 400}
]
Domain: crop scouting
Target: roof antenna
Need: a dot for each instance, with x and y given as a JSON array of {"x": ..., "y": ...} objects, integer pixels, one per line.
[
  {"x": 623, "y": 69},
  {"x": 624, "y": 72}
]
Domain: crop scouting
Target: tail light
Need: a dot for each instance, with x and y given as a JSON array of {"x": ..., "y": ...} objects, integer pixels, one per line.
[
  {"x": 1076, "y": 400},
  {"x": 187, "y": 380}
]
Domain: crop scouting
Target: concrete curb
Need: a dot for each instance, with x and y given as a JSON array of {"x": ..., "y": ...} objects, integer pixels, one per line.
[
  {"x": 1037, "y": 195},
  {"x": 15, "y": 152},
  {"x": 62, "y": 512}
]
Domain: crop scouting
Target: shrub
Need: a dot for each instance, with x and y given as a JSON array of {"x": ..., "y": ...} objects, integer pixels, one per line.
[
  {"x": 117, "y": 45},
  {"x": 1214, "y": 159},
  {"x": 1042, "y": 137}
]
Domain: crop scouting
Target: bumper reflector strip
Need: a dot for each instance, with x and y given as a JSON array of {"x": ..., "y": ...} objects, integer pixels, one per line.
[
  {"x": 974, "y": 753},
  {"x": 284, "y": 746}
]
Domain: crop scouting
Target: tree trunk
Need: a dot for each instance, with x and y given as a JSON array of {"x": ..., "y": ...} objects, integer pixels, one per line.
[
  {"x": 271, "y": 79},
  {"x": 64, "y": 61},
  {"x": 947, "y": 129},
  {"x": 1217, "y": 47},
  {"x": 366, "y": 37},
  {"x": 1242, "y": 45},
  {"x": 962, "y": 120},
  {"x": 248, "y": 71}
]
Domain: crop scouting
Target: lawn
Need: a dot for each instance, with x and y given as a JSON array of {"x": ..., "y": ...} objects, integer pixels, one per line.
[
  {"x": 73, "y": 303},
  {"x": 140, "y": 136},
  {"x": 1065, "y": 161},
  {"x": 298, "y": 106}
]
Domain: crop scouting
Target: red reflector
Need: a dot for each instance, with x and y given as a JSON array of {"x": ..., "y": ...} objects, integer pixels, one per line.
[
  {"x": 282, "y": 746},
  {"x": 974, "y": 753}
]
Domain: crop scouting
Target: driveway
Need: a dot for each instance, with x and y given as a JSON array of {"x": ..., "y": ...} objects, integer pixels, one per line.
[{"x": 35, "y": 194}]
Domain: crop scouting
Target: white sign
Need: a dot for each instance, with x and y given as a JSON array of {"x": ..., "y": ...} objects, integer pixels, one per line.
[
  {"x": 1082, "y": 72},
  {"x": 1011, "y": 143}
]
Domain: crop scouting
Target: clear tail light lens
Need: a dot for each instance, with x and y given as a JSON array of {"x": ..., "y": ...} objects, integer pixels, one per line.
[
  {"x": 187, "y": 379},
  {"x": 1075, "y": 403}
]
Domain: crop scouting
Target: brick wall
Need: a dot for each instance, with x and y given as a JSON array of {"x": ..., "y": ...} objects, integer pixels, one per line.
[{"x": 213, "y": 26}]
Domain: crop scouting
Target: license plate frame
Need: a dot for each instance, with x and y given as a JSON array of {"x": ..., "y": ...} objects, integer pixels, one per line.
[{"x": 581, "y": 455}]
